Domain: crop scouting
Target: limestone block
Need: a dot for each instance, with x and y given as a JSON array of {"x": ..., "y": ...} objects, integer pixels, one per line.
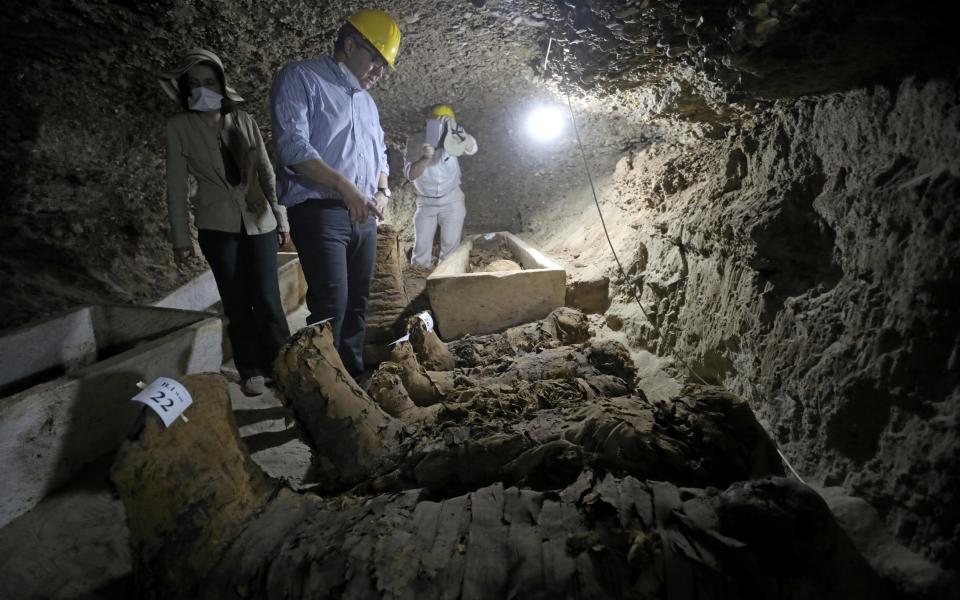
[
  {"x": 478, "y": 303},
  {"x": 589, "y": 295}
]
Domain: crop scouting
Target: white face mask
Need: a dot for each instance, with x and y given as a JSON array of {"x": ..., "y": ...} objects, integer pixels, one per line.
[{"x": 204, "y": 100}]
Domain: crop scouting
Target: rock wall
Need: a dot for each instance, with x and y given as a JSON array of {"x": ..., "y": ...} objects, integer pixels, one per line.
[
  {"x": 81, "y": 175},
  {"x": 810, "y": 262}
]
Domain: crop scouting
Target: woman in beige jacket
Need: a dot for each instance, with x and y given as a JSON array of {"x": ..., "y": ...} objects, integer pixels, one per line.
[{"x": 239, "y": 221}]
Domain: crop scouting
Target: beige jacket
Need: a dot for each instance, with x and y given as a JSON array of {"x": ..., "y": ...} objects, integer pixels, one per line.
[{"x": 194, "y": 148}]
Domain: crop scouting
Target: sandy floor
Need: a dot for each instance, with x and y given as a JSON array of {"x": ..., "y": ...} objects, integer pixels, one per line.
[{"x": 73, "y": 544}]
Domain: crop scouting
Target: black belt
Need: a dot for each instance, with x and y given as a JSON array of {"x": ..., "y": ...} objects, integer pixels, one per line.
[{"x": 311, "y": 200}]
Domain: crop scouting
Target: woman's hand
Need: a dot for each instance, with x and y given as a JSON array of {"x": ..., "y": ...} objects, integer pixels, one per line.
[
  {"x": 181, "y": 256},
  {"x": 282, "y": 238}
]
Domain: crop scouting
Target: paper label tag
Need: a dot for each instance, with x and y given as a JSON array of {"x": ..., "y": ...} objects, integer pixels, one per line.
[
  {"x": 397, "y": 341},
  {"x": 427, "y": 319},
  {"x": 167, "y": 397}
]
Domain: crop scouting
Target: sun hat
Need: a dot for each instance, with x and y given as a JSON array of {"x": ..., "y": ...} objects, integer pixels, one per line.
[{"x": 169, "y": 80}]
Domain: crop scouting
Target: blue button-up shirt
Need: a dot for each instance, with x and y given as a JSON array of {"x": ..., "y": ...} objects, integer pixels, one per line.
[{"x": 320, "y": 111}]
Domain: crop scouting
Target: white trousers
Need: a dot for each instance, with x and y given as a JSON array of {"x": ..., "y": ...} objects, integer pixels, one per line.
[{"x": 446, "y": 211}]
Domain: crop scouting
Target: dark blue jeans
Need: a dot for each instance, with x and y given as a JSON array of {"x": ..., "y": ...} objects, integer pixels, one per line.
[
  {"x": 338, "y": 258},
  {"x": 245, "y": 267}
]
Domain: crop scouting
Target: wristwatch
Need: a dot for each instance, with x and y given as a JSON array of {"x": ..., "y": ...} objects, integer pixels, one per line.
[{"x": 385, "y": 192}]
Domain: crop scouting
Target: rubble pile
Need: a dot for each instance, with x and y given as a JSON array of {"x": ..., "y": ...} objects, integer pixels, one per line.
[{"x": 522, "y": 462}]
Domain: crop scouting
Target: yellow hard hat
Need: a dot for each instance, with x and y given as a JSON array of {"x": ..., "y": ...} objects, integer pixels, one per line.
[
  {"x": 378, "y": 28},
  {"x": 441, "y": 110}
]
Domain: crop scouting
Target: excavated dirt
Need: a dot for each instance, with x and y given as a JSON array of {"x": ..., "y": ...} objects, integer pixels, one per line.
[
  {"x": 806, "y": 262},
  {"x": 487, "y": 256}
]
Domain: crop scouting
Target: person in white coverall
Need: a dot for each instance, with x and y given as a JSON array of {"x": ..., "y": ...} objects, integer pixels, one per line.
[{"x": 435, "y": 174}]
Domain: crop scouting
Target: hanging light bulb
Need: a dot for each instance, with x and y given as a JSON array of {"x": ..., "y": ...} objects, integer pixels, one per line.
[{"x": 545, "y": 123}]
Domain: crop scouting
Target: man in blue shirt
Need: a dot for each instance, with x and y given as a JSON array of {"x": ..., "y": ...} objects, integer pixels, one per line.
[{"x": 333, "y": 171}]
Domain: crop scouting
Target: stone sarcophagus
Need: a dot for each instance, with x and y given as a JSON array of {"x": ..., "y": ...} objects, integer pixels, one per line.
[
  {"x": 469, "y": 300},
  {"x": 66, "y": 384}
]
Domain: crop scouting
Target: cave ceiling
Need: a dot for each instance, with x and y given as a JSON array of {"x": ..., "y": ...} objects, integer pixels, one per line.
[
  {"x": 696, "y": 58},
  {"x": 82, "y": 148},
  {"x": 624, "y": 62}
]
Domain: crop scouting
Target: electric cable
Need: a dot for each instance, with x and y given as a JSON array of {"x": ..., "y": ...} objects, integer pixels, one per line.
[
  {"x": 623, "y": 275},
  {"x": 631, "y": 286}
]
